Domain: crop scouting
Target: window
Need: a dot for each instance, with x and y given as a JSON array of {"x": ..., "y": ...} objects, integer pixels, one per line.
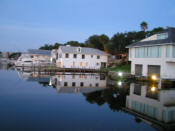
[
  {"x": 148, "y": 52},
  {"x": 79, "y": 49},
  {"x": 162, "y": 36},
  {"x": 59, "y": 64},
  {"x": 86, "y": 64},
  {"x": 168, "y": 51},
  {"x": 96, "y": 84},
  {"x": 173, "y": 51},
  {"x": 98, "y": 57},
  {"x": 97, "y": 64},
  {"x": 83, "y": 56},
  {"x": 65, "y": 83},
  {"x": 56, "y": 55},
  {"x": 28, "y": 61},
  {"x": 75, "y": 55},
  {"x": 73, "y": 84},
  {"x": 81, "y": 84},
  {"x": 91, "y": 56},
  {"x": 80, "y": 63},
  {"x": 67, "y": 55}
]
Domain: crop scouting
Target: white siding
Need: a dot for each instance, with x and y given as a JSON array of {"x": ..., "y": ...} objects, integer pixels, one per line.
[
  {"x": 88, "y": 62},
  {"x": 156, "y": 56}
]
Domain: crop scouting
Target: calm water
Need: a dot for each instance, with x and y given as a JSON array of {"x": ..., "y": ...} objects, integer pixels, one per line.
[{"x": 81, "y": 103}]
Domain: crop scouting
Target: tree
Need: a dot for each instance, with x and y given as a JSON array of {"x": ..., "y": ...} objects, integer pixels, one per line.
[
  {"x": 154, "y": 31},
  {"x": 104, "y": 40},
  {"x": 74, "y": 43},
  {"x": 94, "y": 42},
  {"x": 144, "y": 26},
  {"x": 56, "y": 46},
  {"x": 118, "y": 42},
  {"x": 50, "y": 47}
]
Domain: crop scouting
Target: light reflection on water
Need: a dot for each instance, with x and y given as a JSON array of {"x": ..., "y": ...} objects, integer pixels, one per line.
[{"x": 83, "y": 102}]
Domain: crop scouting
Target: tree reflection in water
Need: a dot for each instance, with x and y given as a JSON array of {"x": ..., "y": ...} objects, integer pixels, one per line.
[{"x": 115, "y": 97}]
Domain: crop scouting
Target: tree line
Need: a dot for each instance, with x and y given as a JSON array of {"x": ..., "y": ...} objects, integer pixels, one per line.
[{"x": 115, "y": 44}]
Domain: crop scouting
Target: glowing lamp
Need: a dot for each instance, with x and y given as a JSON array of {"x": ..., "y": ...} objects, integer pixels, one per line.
[
  {"x": 120, "y": 74},
  {"x": 154, "y": 77}
]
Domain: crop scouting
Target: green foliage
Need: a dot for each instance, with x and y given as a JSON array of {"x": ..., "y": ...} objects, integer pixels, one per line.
[
  {"x": 123, "y": 68},
  {"x": 94, "y": 42},
  {"x": 75, "y": 43},
  {"x": 50, "y": 47},
  {"x": 98, "y": 41},
  {"x": 15, "y": 55},
  {"x": 115, "y": 45},
  {"x": 144, "y": 26}
]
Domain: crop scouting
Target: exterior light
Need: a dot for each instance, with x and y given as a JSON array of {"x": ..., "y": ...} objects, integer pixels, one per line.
[
  {"x": 153, "y": 89},
  {"x": 119, "y": 83},
  {"x": 154, "y": 77},
  {"x": 120, "y": 74}
]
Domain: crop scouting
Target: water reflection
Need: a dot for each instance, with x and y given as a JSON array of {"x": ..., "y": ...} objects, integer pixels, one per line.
[
  {"x": 68, "y": 83},
  {"x": 6, "y": 66},
  {"x": 152, "y": 104},
  {"x": 149, "y": 102}
]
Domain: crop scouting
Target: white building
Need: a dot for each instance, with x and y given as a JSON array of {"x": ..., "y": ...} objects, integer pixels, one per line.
[
  {"x": 79, "y": 57},
  {"x": 155, "y": 54}
]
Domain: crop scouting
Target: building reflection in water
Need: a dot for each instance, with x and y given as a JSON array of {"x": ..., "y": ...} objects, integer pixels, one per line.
[
  {"x": 68, "y": 83},
  {"x": 151, "y": 103},
  {"x": 79, "y": 83}
]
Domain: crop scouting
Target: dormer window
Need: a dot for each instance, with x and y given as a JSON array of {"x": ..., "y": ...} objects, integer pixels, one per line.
[
  {"x": 162, "y": 36},
  {"x": 79, "y": 49}
]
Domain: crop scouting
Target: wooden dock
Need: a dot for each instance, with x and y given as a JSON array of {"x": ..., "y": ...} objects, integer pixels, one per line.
[{"x": 53, "y": 69}]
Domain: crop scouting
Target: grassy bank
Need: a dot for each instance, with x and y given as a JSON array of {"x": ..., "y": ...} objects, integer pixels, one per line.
[{"x": 123, "y": 68}]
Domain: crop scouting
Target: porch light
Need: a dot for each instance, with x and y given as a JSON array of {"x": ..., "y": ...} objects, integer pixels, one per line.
[
  {"x": 154, "y": 77},
  {"x": 120, "y": 74}
]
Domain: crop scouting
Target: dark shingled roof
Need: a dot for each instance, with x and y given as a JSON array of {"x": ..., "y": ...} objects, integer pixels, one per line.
[
  {"x": 84, "y": 50},
  {"x": 39, "y": 52},
  {"x": 169, "y": 40}
]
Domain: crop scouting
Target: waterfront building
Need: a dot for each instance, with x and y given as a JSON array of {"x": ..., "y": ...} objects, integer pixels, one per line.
[
  {"x": 79, "y": 57},
  {"x": 154, "y": 55}
]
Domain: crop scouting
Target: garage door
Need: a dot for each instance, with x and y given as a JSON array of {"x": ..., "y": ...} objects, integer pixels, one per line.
[
  {"x": 138, "y": 69},
  {"x": 153, "y": 69}
]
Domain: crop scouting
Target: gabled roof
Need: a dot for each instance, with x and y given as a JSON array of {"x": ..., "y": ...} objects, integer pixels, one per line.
[
  {"x": 39, "y": 52},
  {"x": 84, "y": 50},
  {"x": 169, "y": 40}
]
